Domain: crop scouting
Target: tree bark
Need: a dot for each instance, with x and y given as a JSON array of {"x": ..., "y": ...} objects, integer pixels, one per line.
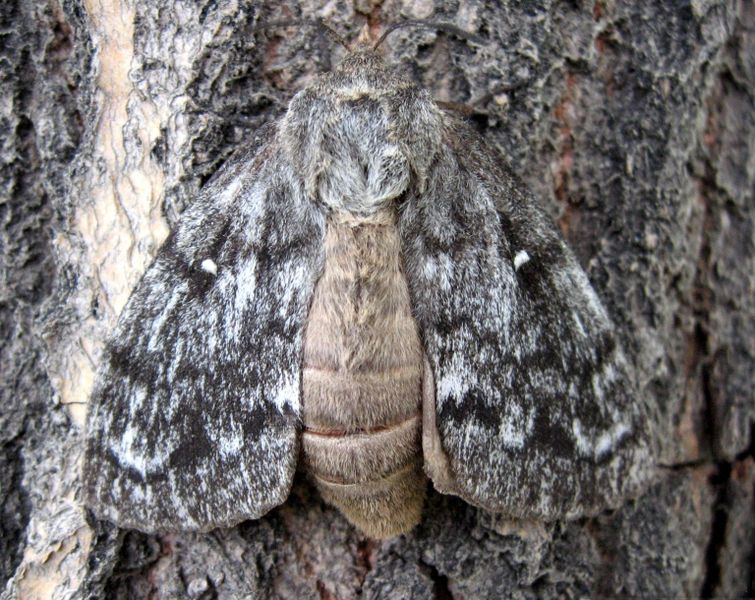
[{"x": 632, "y": 122}]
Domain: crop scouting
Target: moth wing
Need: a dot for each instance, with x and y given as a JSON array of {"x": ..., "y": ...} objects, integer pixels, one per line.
[
  {"x": 528, "y": 407},
  {"x": 193, "y": 421}
]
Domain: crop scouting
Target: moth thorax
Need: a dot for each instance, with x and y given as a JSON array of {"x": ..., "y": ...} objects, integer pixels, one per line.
[
  {"x": 362, "y": 167},
  {"x": 362, "y": 380}
]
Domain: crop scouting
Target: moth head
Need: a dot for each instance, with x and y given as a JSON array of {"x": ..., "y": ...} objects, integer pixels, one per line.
[{"x": 361, "y": 134}]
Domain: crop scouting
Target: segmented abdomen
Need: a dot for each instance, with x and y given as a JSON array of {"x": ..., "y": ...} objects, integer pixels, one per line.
[{"x": 362, "y": 380}]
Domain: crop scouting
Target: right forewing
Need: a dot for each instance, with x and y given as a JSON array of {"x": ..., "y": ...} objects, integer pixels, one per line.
[{"x": 533, "y": 405}]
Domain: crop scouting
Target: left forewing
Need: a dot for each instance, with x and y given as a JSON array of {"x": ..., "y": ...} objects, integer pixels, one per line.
[{"x": 193, "y": 421}]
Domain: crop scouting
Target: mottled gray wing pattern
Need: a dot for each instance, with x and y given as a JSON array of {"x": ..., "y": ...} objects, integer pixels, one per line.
[
  {"x": 535, "y": 414},
  {"x": 193, "y": 421}
]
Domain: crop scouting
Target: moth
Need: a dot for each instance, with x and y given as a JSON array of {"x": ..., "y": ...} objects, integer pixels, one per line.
[{"x": 365, "y": 293}]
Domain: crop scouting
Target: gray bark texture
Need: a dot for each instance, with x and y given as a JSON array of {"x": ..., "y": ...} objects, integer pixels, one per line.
[{"x": 632, "y": 121}]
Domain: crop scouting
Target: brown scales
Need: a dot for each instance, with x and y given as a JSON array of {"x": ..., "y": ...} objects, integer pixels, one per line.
[{"x": 362, "y": 380}]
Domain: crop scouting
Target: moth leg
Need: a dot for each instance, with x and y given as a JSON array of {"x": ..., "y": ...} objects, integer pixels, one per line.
[{"x": 437, "y": 465}]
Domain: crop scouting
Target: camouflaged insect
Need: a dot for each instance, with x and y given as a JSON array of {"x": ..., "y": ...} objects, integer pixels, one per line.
[{"x": 365, "y": 293}]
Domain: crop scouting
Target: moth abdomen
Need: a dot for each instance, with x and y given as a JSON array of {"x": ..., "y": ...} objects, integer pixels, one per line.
[
  {"x": 361, "y": 457},
  {"x": 362, "y": 402},
  {"x": 361, "y": 380}
]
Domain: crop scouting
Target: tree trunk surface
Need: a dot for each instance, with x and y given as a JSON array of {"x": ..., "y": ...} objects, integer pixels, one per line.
[{"x": 633, "y": 123}]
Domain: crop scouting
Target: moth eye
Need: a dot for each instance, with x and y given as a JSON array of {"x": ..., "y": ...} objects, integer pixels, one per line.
[
  {"x": 521, "y": 258},
  {"x": 209, "y": 266}
]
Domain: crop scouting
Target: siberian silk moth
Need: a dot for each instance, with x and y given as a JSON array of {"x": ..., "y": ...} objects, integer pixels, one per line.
[{"x": 367, "y": 294}]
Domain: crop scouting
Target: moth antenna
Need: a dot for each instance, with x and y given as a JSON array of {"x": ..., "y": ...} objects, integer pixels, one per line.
[
  {"x": 433, "y": 25},
  {"x": 319, "y": 24}
]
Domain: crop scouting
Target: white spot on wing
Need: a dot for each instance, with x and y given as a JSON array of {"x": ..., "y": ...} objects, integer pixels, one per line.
[
  {"x": 521, "y": 258},
  {"x": 516, "y": 427},
  {"x": 209, "y": 266},
  {"x": 231, "y": 441},
  {"x": 596, "y": 448},
  {"x": 456, "y": 380},
  {"x": 287, "y": 394},
  {"x": 610, "y": 438}
]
